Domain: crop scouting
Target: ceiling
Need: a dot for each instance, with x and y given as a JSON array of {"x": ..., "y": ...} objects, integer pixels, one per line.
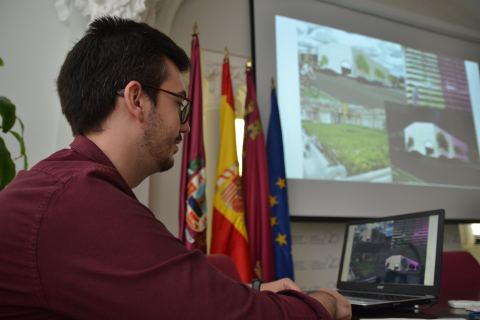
[{"x": 458, "y": 18}]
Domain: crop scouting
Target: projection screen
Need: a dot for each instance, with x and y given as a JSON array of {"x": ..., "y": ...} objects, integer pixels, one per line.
[{"x": 378, "y": 117}]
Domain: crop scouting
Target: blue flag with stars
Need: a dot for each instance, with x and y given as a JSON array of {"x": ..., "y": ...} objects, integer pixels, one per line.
[{"x": 280, "y": 219}]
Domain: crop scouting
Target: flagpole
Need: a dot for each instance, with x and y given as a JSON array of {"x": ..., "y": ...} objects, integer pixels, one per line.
[
  {"x": 248, "y": 65},
  {"x": 225, "y": 54}
]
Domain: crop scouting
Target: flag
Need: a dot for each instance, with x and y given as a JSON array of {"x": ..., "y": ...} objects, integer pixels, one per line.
[
  {"x": 282, "y": 241},
  {"x": 255, "y": 187},
  {"x": 229, "y": 234},
  {"x": 192, "y": 208}
]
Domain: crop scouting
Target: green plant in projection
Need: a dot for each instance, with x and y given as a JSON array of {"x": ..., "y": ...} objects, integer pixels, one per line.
[
  {"x": 323, "y": 61},
  {"x": 380, "y": 74},
  {"x": 362, "y": 63},
  {"x": 8, "y": 120},
  {"x": 359, "y": 149}
]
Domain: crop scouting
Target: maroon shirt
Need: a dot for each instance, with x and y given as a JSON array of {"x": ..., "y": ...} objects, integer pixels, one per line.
[{"x": 76, "y": 243}]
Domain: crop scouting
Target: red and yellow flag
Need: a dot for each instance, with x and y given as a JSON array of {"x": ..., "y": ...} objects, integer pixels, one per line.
[
  {"x": 255, "y": 187},
  {"x": 229, "y": 234},
  {"x": 192, "y": 207}
]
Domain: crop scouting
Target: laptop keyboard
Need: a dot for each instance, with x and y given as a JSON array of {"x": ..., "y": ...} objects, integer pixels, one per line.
[{"x": 374, "y": 297}]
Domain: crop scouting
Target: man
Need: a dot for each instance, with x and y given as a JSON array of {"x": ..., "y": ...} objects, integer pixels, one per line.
[{"x": 76, "y": 243}]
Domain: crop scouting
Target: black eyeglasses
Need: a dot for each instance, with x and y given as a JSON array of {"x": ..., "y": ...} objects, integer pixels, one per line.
[{"x": 185, "y": 104}]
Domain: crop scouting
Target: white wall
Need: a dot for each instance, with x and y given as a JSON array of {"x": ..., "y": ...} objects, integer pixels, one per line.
[{"x": 33, "y": 43}]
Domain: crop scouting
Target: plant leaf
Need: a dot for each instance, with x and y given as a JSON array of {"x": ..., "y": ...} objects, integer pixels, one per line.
[
  {"x": 1, "y": 62},
  {"x": 7, "y": 111},
  {"x": 7, "y": 166},
  {"x": 21, "y": 142},
  {"x": 22, "y": 127}
]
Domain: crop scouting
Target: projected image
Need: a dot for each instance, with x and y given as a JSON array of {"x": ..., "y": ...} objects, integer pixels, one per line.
[
  {"x": 375, "y": 111},
  {"x": 389, "y": 252}
]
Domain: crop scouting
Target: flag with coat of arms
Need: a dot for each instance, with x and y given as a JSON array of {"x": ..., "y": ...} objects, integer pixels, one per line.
[
  {"x": 229, "y": 234},
  {"x": 255, "y": 186},
  {"x": 192, "y": 206}
]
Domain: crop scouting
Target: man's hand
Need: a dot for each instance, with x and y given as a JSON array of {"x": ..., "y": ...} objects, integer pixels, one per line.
[
  {"x": 279, "y": 285},
  {"x": 336, "y": 304}
]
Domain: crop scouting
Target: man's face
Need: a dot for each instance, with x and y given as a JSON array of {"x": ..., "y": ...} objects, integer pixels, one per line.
[{"x": 162, "y": 128}]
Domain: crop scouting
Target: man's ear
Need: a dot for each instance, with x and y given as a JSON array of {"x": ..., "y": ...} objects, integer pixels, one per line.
[{"x": 135, "y": 100}]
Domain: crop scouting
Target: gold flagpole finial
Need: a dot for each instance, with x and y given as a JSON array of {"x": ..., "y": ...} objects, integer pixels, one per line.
[
  {"x": 249, "y": 65},
  {"x": 225, "y": 55},
  {"x": 195, "y": 28},
  {"x": 274, "y": 85}
]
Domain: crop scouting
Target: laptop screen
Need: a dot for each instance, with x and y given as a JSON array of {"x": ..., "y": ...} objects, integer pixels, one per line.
[{"x": 397, "y": 250}]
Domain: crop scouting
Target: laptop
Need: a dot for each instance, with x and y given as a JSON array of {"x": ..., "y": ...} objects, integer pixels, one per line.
[{"x": 392, "y": 261}]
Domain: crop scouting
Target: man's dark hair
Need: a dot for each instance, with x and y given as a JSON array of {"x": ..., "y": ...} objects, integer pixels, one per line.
[{"x": 113, "y": 52}]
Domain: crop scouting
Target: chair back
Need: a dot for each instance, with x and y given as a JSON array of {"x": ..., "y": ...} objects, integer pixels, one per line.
[{"x": 460, "y": 277}]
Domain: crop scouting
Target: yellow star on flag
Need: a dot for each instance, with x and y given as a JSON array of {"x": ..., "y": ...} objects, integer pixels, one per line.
[
  {"x": 273, "y": 221},
  {"x": 281, "y": 183},
  {"x": 281, "y": 239},
  {"x": 273, "y": 201}
]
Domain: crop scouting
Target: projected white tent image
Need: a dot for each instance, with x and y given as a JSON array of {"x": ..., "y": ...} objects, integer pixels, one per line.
[{"x": 429, "y": 140}]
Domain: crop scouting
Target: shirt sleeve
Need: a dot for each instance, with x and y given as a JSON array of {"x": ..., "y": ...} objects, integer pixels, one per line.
[{"x": 103, "y": 255}]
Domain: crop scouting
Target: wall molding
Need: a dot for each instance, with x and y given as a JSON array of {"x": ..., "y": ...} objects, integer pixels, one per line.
[{"x": 138, "y": 10}]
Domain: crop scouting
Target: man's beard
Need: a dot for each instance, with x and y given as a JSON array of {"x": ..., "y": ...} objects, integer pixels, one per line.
[{"x": 160, "y": 153}]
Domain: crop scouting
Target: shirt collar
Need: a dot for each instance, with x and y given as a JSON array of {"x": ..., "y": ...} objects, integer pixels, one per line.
[
  {"x": 86, "y": 147},
  {"x": 89, "y": 149}
]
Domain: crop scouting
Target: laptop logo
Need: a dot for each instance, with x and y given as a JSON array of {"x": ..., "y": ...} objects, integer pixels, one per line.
[{"x": 380, "y": 287}]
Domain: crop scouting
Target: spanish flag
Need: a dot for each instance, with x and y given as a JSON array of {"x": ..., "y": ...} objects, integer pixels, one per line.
[{"x": 229, "y": 234}]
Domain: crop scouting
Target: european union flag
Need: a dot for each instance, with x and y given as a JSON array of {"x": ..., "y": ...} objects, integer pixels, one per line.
[{"x": 280, "y": 219}]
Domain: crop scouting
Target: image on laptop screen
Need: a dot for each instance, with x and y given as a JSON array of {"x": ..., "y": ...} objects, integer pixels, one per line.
[{"x": 397, "y": 251}]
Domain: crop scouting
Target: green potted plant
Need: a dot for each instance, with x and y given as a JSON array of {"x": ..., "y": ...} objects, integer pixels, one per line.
[{"x": 8, "y": 120}]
